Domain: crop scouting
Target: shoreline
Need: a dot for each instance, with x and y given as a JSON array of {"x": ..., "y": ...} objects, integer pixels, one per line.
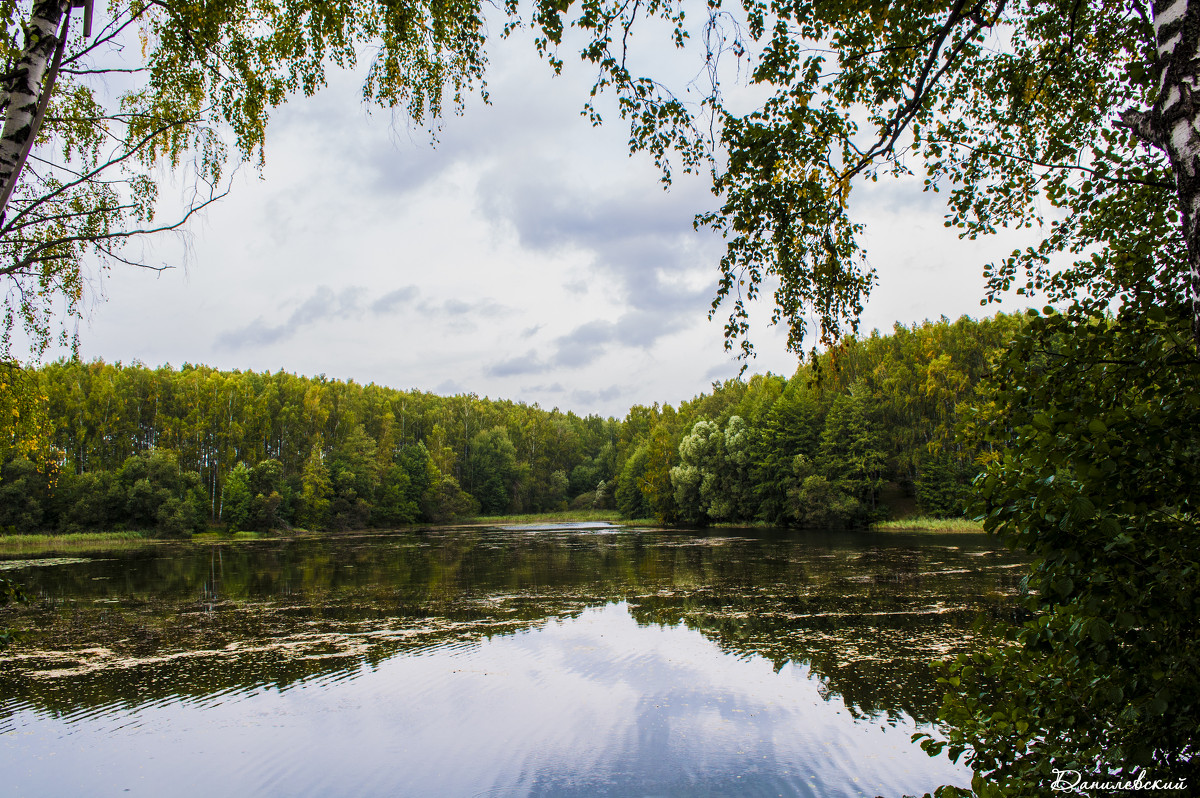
[{"x": 32, "y": 545}]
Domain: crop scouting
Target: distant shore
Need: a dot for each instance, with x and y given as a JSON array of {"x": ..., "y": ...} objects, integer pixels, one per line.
[{"x": 28, "y": 545}]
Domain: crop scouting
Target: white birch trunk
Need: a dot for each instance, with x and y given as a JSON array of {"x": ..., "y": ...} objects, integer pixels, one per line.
[
  {"x": 1173, "y": 124},
  {"x": 23, "y": 86}
]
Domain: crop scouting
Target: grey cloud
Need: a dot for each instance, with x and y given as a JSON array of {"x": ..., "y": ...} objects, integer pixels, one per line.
[
  {"x": 902, "y": 195},
  {"x": 256, "y": 333},
  {"x": 529, "y": 332},
  {"x": 394, "y": 299},
  {"x": 722, "y": 372},
  {"x": 644, "y": 250},
  {"x": 584, "y": 344},
  {"x": 323, "y": 305},
  {"x": 528, "y": 363},
  {"x": 644, "y": 327},
  {"x": 547, "y": 213},
  {"x": 603, "y": 395},
  {"x": 458, "y": 308},
  {"x": 556, "y": 387},
  {"x": 400, "y": 167}
]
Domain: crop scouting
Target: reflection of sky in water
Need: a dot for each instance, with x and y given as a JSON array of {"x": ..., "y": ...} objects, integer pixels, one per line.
[{"x": 595, "y": 705}]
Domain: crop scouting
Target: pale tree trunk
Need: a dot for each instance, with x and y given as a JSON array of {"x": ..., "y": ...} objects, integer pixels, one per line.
[
  {"x": 22, "y": 98},
  {"x": 1173, "y": 124}
]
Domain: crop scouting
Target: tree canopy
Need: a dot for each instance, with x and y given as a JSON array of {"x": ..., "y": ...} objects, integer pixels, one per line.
[
  {"x": 1062, "y": 116},
  {"x": 185, "y": 85}
]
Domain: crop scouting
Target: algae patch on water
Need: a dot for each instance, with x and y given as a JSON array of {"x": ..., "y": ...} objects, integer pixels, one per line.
[{"x": 12, "y": 565}]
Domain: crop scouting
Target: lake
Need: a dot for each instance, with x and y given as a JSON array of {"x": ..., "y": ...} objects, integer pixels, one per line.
[{"x": 546, "y": 660}]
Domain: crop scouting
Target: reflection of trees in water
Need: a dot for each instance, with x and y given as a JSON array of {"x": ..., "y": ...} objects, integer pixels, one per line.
[{"x": 186, "y": 621}]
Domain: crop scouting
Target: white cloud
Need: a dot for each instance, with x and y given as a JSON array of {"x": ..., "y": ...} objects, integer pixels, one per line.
[{"x": 527, "y": 244}]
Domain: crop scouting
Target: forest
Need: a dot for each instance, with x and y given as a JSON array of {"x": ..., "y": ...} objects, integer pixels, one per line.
[{"x": 865, "y": 428}]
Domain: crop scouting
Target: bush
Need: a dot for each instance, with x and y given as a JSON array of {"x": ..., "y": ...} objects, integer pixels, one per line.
[{"x": 1096, "y": 421}]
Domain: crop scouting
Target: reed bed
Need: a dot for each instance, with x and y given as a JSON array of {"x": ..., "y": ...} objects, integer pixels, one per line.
[
  {"x": 925, "y": 524},
  {"x": 29, "y": 545}
]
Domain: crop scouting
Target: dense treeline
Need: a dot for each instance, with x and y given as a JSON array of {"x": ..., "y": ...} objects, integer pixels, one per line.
[
  {"x": 856, "y": 428},
  {"x": 871, "y": 417}
]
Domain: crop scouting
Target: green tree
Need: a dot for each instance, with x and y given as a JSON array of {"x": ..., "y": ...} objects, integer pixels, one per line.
[
  {"x": 791, "y": 427},
  {"x": 631, "y": 502},
  {"x": 24, "y": 494},
  {"x": 355, "y": 476},
  {"x": 712, "y": 479},
  {"x": 205, "y": 79},
  {"x": 662, "y": 454},
  {"x": 851, "y": 455},
  {"x": 814, "y": 502},
  {"x": 492, "y": 470},
  {"x": 1097, "y": 480},
  {"x": 397, "y": 502},
  {"x": 316, "y": 490},
  {"x": 237, "y": 504},
  {"x": 1075, "y": 124},
  {"x": 699, "y": 455},
  {"x": 943, "y": 487},
  {"x": 270, "y": 504}
]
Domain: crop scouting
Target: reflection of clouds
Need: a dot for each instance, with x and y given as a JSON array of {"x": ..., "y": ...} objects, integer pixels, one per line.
[
  {"x": 531, "y": 687},
  {"x": 694, "y": 719}
]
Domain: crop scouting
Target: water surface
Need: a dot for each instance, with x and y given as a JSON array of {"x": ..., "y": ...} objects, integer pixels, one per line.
[{"x": 527, "y": 660}]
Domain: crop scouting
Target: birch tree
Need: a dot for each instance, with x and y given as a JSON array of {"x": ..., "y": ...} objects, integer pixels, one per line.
[
  {"x": 96, "y": 112},
  {"x": 1172, "y": 123},
  {"x": 1073, "y": 119}
]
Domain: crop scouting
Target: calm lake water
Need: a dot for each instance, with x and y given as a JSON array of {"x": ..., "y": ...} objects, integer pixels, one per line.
[{"x": 552, "y": 661}]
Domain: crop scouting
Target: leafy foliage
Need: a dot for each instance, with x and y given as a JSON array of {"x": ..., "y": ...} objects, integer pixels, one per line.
[
  {"x": 172, "y": 450},
  {"x": 1097, "y": 479},
  {"x": 272, "y": 451},
  {"x": 1012, "y": 109},
  {"x": 204, "y": 78}
]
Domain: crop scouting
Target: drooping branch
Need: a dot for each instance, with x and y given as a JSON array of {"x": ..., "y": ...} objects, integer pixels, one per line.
[
  {"x": 91, "y": 176},
  {"x": 927, "y": 78},
  {"x": 36, "y": 255}
]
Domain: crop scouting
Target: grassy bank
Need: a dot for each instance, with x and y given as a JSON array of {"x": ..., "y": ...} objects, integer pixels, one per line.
[
  {"x": 611, "y": 516},
  {"x": 28, "y": 545},
  {"x": 216, "y": 536},
  {"x": 924, "y": 524},
  {"x": 99, "y": 542}
]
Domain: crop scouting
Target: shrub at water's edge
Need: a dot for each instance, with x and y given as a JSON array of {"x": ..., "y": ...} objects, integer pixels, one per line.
[{"x": 1095, "y": 474}]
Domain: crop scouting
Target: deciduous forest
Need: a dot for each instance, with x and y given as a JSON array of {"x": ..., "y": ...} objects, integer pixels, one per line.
[{"x": 864, "y": 428}]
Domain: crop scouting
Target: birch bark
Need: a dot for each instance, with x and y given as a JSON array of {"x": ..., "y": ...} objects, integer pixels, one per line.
[
  {"x": 1173, "y": 124},
  {"x": 22, "y": 87}
]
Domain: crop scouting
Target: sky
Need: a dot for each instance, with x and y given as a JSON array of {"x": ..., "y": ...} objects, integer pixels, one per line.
[{"x": 526, "y": 256}]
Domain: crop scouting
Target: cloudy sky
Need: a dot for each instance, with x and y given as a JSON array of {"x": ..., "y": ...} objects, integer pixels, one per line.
[{"x": 527, "y": 256}]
